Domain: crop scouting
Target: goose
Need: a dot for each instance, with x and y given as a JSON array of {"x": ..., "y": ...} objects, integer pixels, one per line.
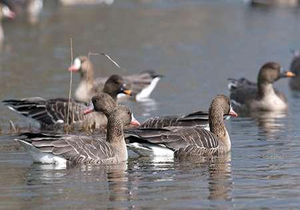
[
  {"x": 141, "y": 84},
  {"x": 274, "y": 3},
  {"x": 67, "y": 149},
  {"x": 199, "y": 118},
  {"x": 294, "y": 82},
  {"x": 5, "y": 12},
  {"x": 247, "y": 96},
  {"x": 52, "y": 113},
  {"x": 186, "y": 141}
]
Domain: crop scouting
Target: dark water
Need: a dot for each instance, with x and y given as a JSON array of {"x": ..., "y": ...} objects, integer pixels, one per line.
[{"x": 197, "y": 45}]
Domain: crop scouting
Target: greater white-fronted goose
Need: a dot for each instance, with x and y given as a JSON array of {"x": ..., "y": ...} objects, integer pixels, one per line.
[
  {"x": 186, "y": 141},
  {"x": 5, "y": 12},
  {"x": 32, "y": 8},
  {"x": 248, "y": 96},
  {"x": 295, "y": 68},
  {"x": 51, "y": 113},
  {"x": 141, "y": 84},
  {"x": 75, "y": 149},
  {"x": 199, "y": 118}
]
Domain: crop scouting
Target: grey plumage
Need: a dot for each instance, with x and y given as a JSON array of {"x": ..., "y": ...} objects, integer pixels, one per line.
[
  {"x": 89, "y": 85},
  {"x": 100, "y": 149},
  {"x": 179, "y": 139},
  {"x": 52, "y": 112}
]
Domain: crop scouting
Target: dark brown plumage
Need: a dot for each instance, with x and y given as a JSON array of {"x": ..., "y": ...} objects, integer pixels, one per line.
[
  {"x": 52, "y": 112},
  {"x": 248, "y": 96}
]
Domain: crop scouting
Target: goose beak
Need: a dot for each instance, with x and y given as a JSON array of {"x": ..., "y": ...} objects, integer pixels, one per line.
[
  {"x": 134, "y": 121},
  {"x": 287, "y": 74},
  {"x": 76, "y": 65},
  {"x": 125, "y": 90},
  {"x": 89, "y": 109},
  {"x": 128, "y": 92},
  {"x": 8, "y": 13},
  {"x": 73, "y": 68},
  {"x": 233, "y": 113}
]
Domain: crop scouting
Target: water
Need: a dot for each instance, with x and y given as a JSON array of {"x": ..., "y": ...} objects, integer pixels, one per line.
[{"x": 197, "y": 45}]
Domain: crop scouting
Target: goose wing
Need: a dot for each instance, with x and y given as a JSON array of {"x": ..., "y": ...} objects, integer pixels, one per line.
[
  {"x": 74, "y": 148},
  {"x": 47, "y": 112},
  {"x": 174, "y": 138}
]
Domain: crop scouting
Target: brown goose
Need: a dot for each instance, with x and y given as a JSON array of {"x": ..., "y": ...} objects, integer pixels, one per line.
[
  {"x": 65, "y": 149},
  {"x": 248, "y": 96},
  {"x": 295, "y": 68},
  {"x": 199, "y": 118},
  {"x": 54, "y": 112},
  {"x": 186, "y": 141},
  {"x": 141, "y": 84}
]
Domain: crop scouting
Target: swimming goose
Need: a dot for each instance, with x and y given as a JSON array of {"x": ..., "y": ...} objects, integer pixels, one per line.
[
  {"x": 141, "y": 84},
  {"x": 249, "y": 96},
  {"x": 51, "y": 113},
  {"x": 199, "y": 118},
  {"x": 295, "y": 68},
  {"x": 5, "y": 12},
  {"x": 186, "y": 141},
  {"x": 75, "y": 149}
]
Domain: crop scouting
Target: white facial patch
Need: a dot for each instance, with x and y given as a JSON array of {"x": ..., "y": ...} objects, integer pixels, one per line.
[
  {"x": 77, "y": 63},
  {"x": 6, "y": 11},
  {"x": 133, "y": 119}
]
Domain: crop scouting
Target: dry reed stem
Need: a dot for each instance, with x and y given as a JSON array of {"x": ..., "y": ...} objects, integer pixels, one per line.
[
  {"x": 71, "y": 80},
  {"x": 108, "y": 57}
]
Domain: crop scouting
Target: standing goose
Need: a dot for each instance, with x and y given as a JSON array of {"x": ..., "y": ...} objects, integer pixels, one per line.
[
  {"x": 248, "y": 96},
  {"x": 54, "y": 112},
  {"x": 141, "y": 84},
  {"x": 186, "y": 141},
  {"x": 295, "y": 68},
  {"x": 73, "y": 149}
]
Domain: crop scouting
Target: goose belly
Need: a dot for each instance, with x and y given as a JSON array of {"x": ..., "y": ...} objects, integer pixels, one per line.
[
  {"x": 42, "y": 157},
  {"x": 150, "y": 150},
  {"x": 270, "y": 103}
]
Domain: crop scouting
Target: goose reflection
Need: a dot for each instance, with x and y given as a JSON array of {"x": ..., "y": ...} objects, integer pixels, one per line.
[
  {"x": 270, "y": 123},
  {"x": 93, "y": 186},
  {"x": 220, "y": 182}
]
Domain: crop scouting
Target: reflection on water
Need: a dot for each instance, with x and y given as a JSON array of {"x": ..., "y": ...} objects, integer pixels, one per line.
[{"x": 270, "y": 122}]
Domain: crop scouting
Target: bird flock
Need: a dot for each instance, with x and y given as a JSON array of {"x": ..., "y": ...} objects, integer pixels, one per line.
[{"x": 95, "y": 105}]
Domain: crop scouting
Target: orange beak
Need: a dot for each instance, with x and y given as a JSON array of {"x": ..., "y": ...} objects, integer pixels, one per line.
[
  {"x": 128, "y": 92},
  {"x": 289, "y": 74}
]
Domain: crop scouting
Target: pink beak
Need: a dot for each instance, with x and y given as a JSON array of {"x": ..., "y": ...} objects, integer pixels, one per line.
[
  {"x": 89, "y": 109},
  {"x": 11, "y": 14},
  {"x": 73, "y": 68},
  {"x": 134, "y": 121},
  {"x": 233, "y": 113}
]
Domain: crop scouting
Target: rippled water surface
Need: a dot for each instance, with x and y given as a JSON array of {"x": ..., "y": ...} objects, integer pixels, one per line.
[{"x": 197, "y": 45}]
